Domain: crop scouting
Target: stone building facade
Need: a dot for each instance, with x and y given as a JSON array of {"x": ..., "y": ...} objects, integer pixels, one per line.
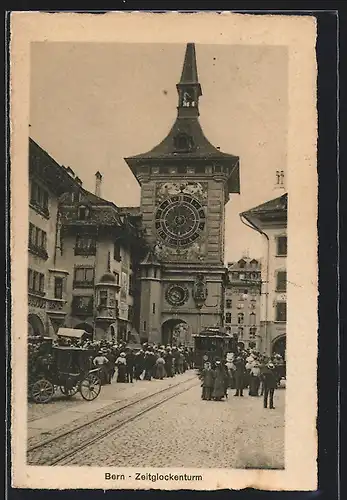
[
  {"x": 242, "y": 302},
  {"x": 83, "y": 266},
  {"x": 270, "y": 220},
  {"x": 48, "y": 181}
]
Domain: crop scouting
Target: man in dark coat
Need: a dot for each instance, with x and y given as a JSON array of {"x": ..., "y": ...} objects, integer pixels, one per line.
[
  {"x": 269, "y": 378},
  {"x": 130, "y": 357},
  {"x": 168, "y": 363},
  {"x": 239, "y": 375},
  {"x": 207, "y": 377}
]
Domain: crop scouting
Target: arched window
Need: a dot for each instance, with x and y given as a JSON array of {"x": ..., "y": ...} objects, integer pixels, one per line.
[
  {"x": 240, "y": 318},
  {"x": 252, "y": 318},
  {"x": 240, "y": 332}
]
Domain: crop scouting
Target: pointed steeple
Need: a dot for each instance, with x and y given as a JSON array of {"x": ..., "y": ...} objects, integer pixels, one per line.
[
  {"x": 189, "y": 88},
  {"x": 186, "y": 142},
  {"x": 190, "y": 70}
]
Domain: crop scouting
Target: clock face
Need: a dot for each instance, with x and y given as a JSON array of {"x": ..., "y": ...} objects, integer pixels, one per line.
[
  {"x": 176, "y": 295},
  {"x": 179, "y": 220}
]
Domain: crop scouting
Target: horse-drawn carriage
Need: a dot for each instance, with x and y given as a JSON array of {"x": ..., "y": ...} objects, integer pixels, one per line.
[
  {"x": 66, "y": 368},
  {"x": 211, "y": 344}
]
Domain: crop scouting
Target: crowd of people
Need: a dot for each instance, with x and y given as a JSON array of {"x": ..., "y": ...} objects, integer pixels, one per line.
[
  {"x": 127, "y": 364},
  {"x": 250, "y": 370},
  {"x": 246, "y": 370}
]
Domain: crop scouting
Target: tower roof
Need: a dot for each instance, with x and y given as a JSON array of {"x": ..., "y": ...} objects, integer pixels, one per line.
[
  {"x": 190, "y": 70},
  {"x": 187, "y": 128}
]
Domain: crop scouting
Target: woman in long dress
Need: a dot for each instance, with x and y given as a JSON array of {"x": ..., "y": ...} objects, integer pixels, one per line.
[
  {"x": 121, "y": 364},
  {"x": 219, "y": 382},
  {"x": 160, "y": 367}
]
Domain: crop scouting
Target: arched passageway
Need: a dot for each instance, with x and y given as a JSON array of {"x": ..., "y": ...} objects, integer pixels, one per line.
[
  {"x": 279, "y": 346},
  {"x": 174, "y": 332},
  {"x": 35, "y": 326}
]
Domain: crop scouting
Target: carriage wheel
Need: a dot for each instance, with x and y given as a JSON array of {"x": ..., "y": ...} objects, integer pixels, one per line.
[
  {"x": 42, "y": 391},
  {"x": 69, "y": 391},
  {"x": 90, "y": 387}
]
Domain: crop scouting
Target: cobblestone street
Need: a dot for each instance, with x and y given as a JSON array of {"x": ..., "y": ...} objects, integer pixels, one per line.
[{"x": 183, "y": 431}]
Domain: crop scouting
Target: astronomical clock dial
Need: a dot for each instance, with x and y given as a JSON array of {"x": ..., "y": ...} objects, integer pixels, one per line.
[
  {"x": 179, "y": 220},
  {"x": 177, "y": 295}
]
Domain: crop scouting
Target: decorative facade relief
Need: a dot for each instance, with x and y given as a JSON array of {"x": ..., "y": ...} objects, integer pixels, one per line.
[{"x": 196, "y": 189}]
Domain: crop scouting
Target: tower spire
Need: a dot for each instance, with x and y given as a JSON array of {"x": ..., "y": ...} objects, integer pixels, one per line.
[
  {"x": 189, "y": 88},
  {"x": 190, "y": 70}
]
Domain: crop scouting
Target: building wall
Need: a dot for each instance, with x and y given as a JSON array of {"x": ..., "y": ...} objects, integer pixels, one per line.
[
  {"x": 99, "y": 262},
  {"x": 241, "y": 280},
  {"x": 272, "y": 328},
  {"x": 38, "y": 301}
]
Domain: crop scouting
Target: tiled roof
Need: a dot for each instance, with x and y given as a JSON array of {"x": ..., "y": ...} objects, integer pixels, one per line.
[
  {"x": 275, "y": 205},
  {"x": 166, "y": 149}
]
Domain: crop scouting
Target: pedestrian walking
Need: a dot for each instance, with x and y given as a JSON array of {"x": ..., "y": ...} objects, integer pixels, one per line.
[
  {"x": 269, "y": 377},
  {"x": 102, "y": 363},
  {"x": 207, "y": 377},
  {"x": 160, "y": 367},
  {"x": 254, "y": 381},
  {"x": 239, "y": 376},
  {"x": 168, "y": 362},
  {"x": 121, "y": 365},
  {"x": 130, "y": 362},
  {"x": 218, "y": 382}
]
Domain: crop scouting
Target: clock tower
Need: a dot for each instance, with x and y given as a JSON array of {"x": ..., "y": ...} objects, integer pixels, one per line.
[{"x": 185, "y": 184}]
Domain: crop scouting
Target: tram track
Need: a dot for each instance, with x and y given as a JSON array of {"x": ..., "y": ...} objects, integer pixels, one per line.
[{"x": 66, "y": 445}]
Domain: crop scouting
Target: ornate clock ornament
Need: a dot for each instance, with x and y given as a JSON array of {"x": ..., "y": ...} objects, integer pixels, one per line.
[
  {"x": 177, "y": 295},
  {"x": 200, "y": 290},
  {"x": 179, "y": 220}
]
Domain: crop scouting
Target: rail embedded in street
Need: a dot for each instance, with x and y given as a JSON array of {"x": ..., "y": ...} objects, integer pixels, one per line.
[{"x": 65, "y": 446}]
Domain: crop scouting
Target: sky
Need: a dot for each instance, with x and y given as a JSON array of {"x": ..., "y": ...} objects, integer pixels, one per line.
[{"x": 93, "y": 104}]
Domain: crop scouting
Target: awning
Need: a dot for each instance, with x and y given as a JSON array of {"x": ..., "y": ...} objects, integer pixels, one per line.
[{"x": 71, "y": 333}]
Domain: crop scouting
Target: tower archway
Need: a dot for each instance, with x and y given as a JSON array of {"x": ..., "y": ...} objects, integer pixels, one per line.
[{"x": 174, "y": 331}]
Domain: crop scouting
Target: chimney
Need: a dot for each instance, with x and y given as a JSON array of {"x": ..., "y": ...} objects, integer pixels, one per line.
[{"x": 98, "y": 179}]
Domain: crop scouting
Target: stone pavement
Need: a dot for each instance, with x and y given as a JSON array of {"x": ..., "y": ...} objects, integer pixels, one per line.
[
  {"x": 62, "y": 411},
  {"x": 189, "y": 432}
]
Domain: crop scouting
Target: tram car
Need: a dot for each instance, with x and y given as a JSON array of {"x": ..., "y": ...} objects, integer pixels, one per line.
[{"x": 211, "y": 344}]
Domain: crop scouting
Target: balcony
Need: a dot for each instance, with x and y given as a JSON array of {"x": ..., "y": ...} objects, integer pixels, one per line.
[
  {"x": 107, "y": 313},
  {"x": 39, "y": 251},
  {"x": 36, "y": 299},
  {"x": 56, "y": 307}
]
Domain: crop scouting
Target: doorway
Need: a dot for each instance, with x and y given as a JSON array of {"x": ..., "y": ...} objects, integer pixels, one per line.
[
  {"x": 175, "y": 332},
  {"x": 279, "y": 347}
]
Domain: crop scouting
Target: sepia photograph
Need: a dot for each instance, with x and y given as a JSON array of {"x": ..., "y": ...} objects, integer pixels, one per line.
[{"x": 158, "y": 258}]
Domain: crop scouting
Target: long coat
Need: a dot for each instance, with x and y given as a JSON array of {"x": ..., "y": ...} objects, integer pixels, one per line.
[
  {"x": 219, "y": 383},
  {"x": 207, "y": 377},
  {"x": 269, "y": 378}
]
